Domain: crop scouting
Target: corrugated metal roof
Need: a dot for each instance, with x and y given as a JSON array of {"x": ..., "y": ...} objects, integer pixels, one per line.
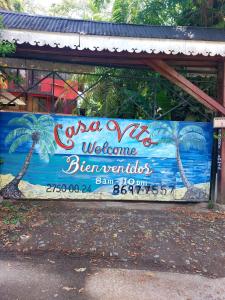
[{"x": 13, "y": 20}]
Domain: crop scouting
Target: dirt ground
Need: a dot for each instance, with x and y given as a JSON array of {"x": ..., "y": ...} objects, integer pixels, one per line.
[{"x": 174, "y": 238}]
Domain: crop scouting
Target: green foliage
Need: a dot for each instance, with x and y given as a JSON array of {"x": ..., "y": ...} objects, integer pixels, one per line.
[
  {"x": 8, "y": 205},
  {"x": 99, "y": 4},
  {"x": 141, "y": 94},
  {"x": 64, "y": 8},
  {"x": 14, "y": 216},
  {"x": 5, "y": 4},
  {"x": 16, "y": 5},
  {"x": 119, "y": 94},
  {"x": 208, "y": 13},
  {"x": 167, "y": 12},
  {"x": 14, "y": 219},
  {"x": 85, "y": 9},
  {"x": 6, "y": 48},
  {"x": 28, "y": 125},
  {"x": 121, "y": 11}
]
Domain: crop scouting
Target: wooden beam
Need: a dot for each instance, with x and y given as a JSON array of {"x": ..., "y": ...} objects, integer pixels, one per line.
[
  {"x": 171, "y": 74},
  {"x": 221, "y": 142},
  {"x": 111, "y": 58},
  {"x": 80, "y": 59},
  {"x": 95, "y": 59},
  {"x": 42, "y": 65},
  {"x": 124, "y": 54}
]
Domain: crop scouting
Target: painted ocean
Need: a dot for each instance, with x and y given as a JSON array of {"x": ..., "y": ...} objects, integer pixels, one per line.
[{"x": 165, "y": 170}]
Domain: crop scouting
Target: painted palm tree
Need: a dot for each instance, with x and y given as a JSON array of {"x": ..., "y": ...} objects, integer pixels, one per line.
[
  {"x": 37, "y": 131},
  {"x": 189, "y": 137}
]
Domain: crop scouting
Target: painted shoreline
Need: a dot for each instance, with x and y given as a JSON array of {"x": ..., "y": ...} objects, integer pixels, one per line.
[{"x": 35, "y": 191}]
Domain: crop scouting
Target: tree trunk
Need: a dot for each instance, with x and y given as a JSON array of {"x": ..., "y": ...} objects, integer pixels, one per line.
[
  {"x": 11, "y": 190},
  {"x": 181, "y": 168}
]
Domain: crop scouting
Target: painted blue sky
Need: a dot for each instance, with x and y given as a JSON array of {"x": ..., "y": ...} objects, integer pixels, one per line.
[{"x": 160, "y": 150}]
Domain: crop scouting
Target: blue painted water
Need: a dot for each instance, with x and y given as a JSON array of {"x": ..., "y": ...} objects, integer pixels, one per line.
[{"x": 165, "y": 170}]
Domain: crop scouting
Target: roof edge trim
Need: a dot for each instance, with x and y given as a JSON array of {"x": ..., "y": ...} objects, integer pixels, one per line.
[{"x": 114, "y": 43}]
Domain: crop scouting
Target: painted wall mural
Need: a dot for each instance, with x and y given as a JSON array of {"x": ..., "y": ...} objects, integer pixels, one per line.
[{"x": 59, "y": 157}]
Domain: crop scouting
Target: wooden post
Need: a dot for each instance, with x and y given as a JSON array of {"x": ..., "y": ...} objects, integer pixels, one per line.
[
  {"x": 221, "y": 138},
  {"x": 29, "y": 103}
]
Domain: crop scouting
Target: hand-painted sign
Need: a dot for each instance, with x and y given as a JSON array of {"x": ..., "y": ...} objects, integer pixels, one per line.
[{"x": 53, "y": 156}]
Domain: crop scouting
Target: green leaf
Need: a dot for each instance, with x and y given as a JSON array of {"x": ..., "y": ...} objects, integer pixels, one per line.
[
  {"x": 48, "y": 141},
  {"x": 45, "y": 118},
  {"x": 19, "y": 141},
  {"x": 46, "y": 124},
  {"x": 32, "y": 117},
  {"x": 17, "y": 132},
  {"x": 22, "y": 122},
  {"x": 43, "y": 151}
]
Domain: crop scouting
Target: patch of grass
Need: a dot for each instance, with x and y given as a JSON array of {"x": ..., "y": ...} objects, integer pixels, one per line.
[
  {"x": 13, "y": 220},
  {"x": 210, "y": 204},
  {"x": 9, "y": 205},
  {"x": 10, "y": 213}
]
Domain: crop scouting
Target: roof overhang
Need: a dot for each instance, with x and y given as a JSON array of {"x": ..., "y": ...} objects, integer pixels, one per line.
[
  {"x": 114, "y": 43},
  {"x": 6, "y": 97}
]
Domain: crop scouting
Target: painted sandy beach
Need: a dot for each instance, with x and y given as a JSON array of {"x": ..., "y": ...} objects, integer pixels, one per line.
[{"x": 35, "y": 191}]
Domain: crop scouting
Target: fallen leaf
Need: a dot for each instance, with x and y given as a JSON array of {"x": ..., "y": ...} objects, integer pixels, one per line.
[
  {"x": 51, "y": 261},
  {"x": 67, "y": 288},
  {"x": 150, "y": 274},
  {"x": 39, "y": 223},
  {"x": 80, "y": 269}
]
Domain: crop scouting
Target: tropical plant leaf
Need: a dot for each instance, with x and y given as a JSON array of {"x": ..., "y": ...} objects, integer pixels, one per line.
[
  {"x": 51, "y": 148},
  {"x": 16, "y": 133},
  {"x": 165, "y": 140},
  {"x": 175, "y": 128},
  {"x": 191, "y": 128},
  {"x": 162, "y": 132},
  {"x": 21, "y": 121},
  {"x": 32, "y": 117},
  {"x": 44, "y": 118},
  {"x": 49, "y": 143},
  {"x": 43, "y": 151},
  {"x": 45, "y": 132},
  {"x": 19, "y": 141},
  {"x": 47, "y": 124},
  {"x": 160, "y": 127},
  {"x": 193, "y": 140}
]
